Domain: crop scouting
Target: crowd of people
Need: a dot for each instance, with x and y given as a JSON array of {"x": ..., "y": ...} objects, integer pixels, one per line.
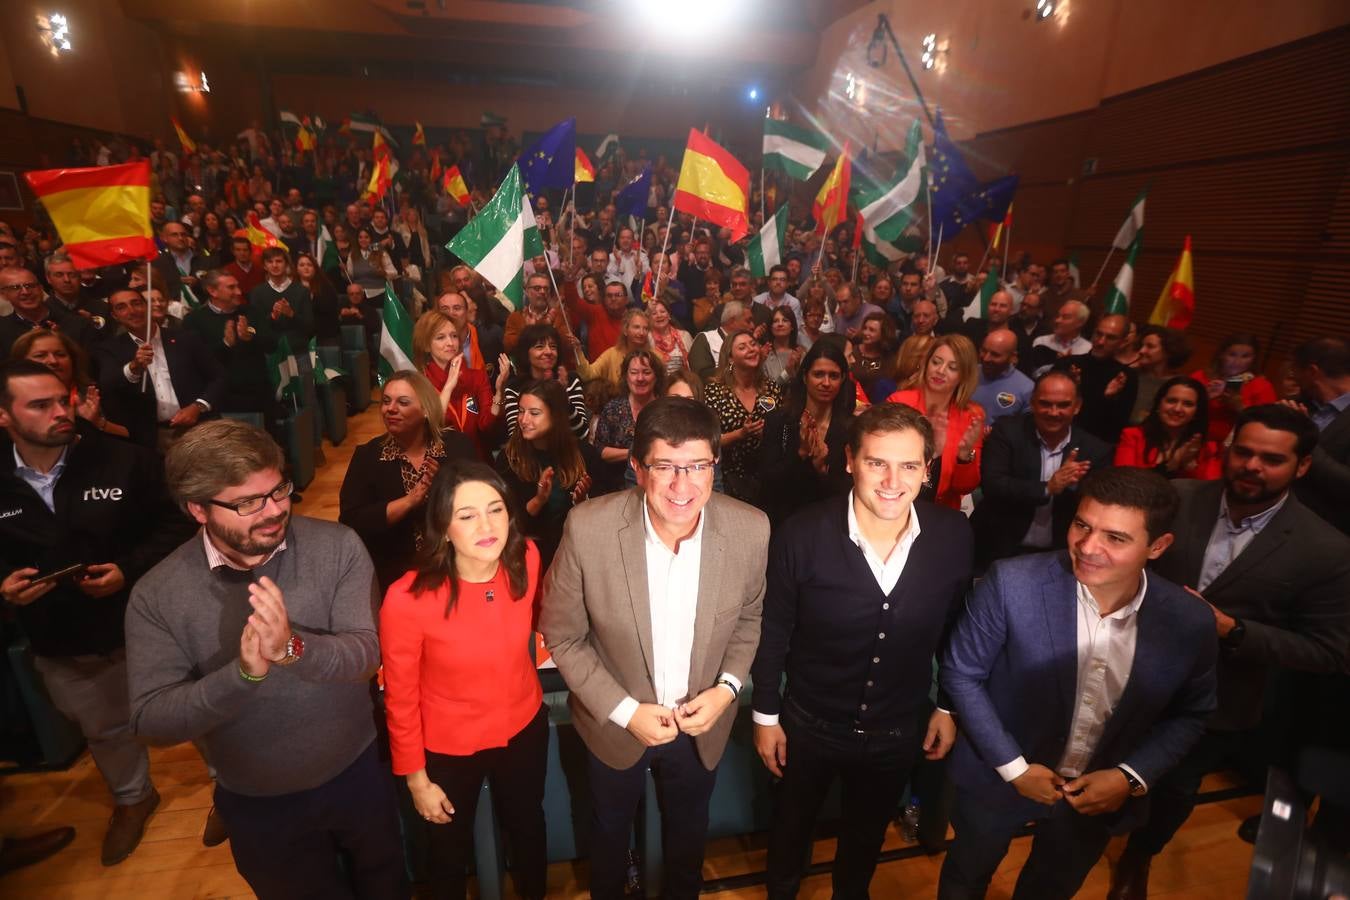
[{"x": 812, "y": 486}]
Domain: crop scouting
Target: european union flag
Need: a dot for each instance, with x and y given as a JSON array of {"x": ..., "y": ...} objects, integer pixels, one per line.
[
  {"x": 958, "y": 198},
  {"x": 550, "y": 162},
  {"x": 632, "y": 199}
]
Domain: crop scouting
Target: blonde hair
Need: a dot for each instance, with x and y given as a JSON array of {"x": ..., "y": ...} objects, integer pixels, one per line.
[
  {"x": 424, "y": 332},
  {"x": 723, "y": 373},
  {"x": 967, "y": 363},
  {"x": 428, "y": 398}
]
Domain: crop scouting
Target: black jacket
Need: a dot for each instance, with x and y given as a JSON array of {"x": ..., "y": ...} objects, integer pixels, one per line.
[
  {"x": 196, "y": 374},
  {"x": 788, "y": 482},
  {"x": 59, "y": 318},
  {"x": 1326, "y": 488},
  {"x": 1290, "y": 587},
  {"x": 853, "y": 655},
  {"x": 111, "y": 506},
  {"x": 1010, "y": 478}
]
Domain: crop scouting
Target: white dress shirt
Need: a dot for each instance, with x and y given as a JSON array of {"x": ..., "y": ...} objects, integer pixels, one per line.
[
  {"x": 1105, "y": 658},
  {"x": 885, "y": 571},
  {"x": 1041, "y": 531},
  {"x": 672, "y": 591},
  {"x": 166, "y": 400},
  {"x": 1227, "y": 540}
]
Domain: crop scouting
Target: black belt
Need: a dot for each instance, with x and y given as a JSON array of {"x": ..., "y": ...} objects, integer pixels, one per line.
[{"x": 853, "y": 728}]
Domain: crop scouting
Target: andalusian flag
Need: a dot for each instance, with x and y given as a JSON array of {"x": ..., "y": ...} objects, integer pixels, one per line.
[
  {"x": 1118, "y": 299},
  {"x": 714, "y": 186},
  {"x": 419, "y": 136},
  {"x": 534, "y": 244},
  {"x": 1133, "y": 222},
  {"x": 792, "y": 149},
  {"x": 102, "y": 214},
  {"x": 585, "y": 169},
  {"x": 493, "y": 243},
  {"x": 188, "y": 145},
  {"x": 831, "y": 206},
  {"x": 979, "y": 307},
  {"x": 357, "y": 122},
  {"x": 889, "y": 210},
  {"x": 283, "y": 370},
  {"x": 1176, "y": 304},
  {"x": 766, "y": 248},
  {"x": 881, "y": 252},
  {"x": 455, "y": 186},
  {"x": 396, "y": 345},
  {"x": 322, "y": 374}
]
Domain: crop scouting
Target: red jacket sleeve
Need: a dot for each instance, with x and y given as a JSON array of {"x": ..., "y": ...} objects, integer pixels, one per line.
[
  {"x": 483, "y": 395},
  {"x": 1131, "y": 450},
  {"x": 965, "y": 476},
  {"x": 401, "y": 640}
]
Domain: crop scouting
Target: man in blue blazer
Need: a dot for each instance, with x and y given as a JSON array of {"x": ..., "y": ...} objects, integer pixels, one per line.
[{"x": 1077, "y": 680}]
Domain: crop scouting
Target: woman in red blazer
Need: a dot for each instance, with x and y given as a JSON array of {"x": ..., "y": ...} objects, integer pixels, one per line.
[
  {"x": 462, "y": 695},
  {"x": 1172, "y": 439},
  {"x": 941, "y": 390},
  {"x": 472, "y": 404},
  {"x": 1233, "y": 384}
]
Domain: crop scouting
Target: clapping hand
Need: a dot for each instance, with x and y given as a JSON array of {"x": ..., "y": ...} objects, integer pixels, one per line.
[
  {"x": 1115, "y": 385},
  {"x": 965, "y": 451},
  {"x": 269, "y": 618},
  {"x": 581, "y": 489},
  {"x": 1068, "y": 474}
]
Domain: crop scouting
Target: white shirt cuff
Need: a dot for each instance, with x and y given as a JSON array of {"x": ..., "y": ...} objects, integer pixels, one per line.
[
  {"x": 623, "y": 713},
  {"x": 767, "y": 719},
  {"x": 1136, "y": 776},
  {"x": 733, "y": 679},
  {"x": 206, "y": 407},
  {"x": 126, "y": 371},
  {"x": 1011, "y": 771}
]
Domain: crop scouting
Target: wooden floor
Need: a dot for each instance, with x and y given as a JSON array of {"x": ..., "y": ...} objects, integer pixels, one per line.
[{"x": 1206, "y": 861}]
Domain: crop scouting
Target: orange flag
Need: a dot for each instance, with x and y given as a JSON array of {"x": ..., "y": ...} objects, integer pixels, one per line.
[
  {"x": 831, "y": 205},
  {"x": 455, "y": 186},
  {"x": 419, "y": 136},
  {"x": 714, "y": 186},
  {"x": 1176, "y": 303},
  {"x": 102, "y": 213},
  {"x": 189, "y": 146},
  {"x": 585, "y": 169}
]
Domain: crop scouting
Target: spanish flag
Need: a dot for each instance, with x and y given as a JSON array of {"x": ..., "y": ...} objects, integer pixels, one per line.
[
  {"x": 189, "y": 145},
  {"x": 455, "y": 186},
  {"x": 304, "y": 138},
  {"x": 379, "y": 148},
  {"x": 380, "y": 175},
  {"x": 1176, "y": 304},
  {"x": 996, "y": 230},
  {"x": 436, "y": 170},
  {"x": 713, "y": 185},
  {"x": 102, "y": 214},
  {"x": 585, "y": 170},
  {"x": 419, "y": 136},
  {"x": 831, "y": 206},
  {"x": 257, "y": 235}
]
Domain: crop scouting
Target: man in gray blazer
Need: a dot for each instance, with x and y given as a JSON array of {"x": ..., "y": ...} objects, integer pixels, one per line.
[
  {"x": 1277, "y": 578},
  {"x": 651, "y": 611}
]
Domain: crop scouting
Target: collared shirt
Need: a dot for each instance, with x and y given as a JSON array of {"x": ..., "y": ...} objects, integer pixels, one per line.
[
  {"x": 1227, "y": 541},
  {"x": 886, "y": 571},
  {"x": 791, "y": 302},
  {"x": 183, "y": 261},
  {"x": 166, "y": 400},
  {"x": 1041, "y": 533},
  {"x": 672, "y": 591},
  {"x": 1076, "y": 347},
  {"x": 1106, "y": 647},
  {"x": 279, "y": 287},
  {"x": 44, "y": 483},
  {"x": 1325, "y": 414},
  {"x": 215, "y": 559}
]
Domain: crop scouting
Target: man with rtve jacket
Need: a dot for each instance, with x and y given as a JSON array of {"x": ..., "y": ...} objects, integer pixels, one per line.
[
  {"x": 860, "y": 592},
  {"x": 71, "y": 496}
]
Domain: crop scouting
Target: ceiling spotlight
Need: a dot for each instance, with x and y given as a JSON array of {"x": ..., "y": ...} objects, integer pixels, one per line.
[
  {"x": 206, "y": 85},
  {"x": 55, "y": 31},
  {"x": 1044, "y": 9},
  {"x": 753, "y": 93},
  {"x": 929, "y": 51},
  {"x": 850, "y": 86}
]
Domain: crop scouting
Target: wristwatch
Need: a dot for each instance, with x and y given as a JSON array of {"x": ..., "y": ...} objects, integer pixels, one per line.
[
  {"x": 295, "y": 651},
  {"x": 1137, "y": 788},
  {"x": 1233, "y": 639},
  {"x": 726, "y": 683}
]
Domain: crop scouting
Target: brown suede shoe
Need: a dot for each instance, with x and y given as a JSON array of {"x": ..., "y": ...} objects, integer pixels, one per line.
[
  {"x": 20, "y": 852},
  {"x": 126, "y": 829},
  {"x": 1129, "y": 878},
  {"x": 215, "y": 833}
]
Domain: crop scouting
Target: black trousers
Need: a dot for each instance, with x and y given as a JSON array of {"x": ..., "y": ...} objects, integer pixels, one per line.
[
  {"x": 516, "y": 774},
  {"x": 1173, "y": 798},
  {"x": 1065, "y": 847},
  {"x": 683, "y": 789},
  {"x": 287, "y": 847},
  {"x": 872, "y": 767}
]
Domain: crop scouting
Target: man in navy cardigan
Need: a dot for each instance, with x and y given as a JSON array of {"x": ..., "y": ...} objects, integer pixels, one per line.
[
  {"x": 1078, "y": 681},
  {"x": 860, "y": 593}
]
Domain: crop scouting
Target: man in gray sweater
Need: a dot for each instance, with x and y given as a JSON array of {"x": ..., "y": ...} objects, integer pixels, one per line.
[{"x": 257, "y": 640}]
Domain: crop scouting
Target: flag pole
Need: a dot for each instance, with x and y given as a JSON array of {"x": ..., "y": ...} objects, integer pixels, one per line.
[
  {"x": 763, "y": 216},
  {"x": 1007, "y": 245},
  {"x": 664, "y": 244},
  {"x": 929, "y": 191},
  {"x": 1093, "y": 287},
  {"x": 149, "y": 322},
  {"x": 938, "y": 249},
  {"x": 572, "y": 229}
]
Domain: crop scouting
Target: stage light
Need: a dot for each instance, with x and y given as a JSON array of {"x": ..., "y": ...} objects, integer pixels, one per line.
[
  {"x": 929, "y": 51},
  {"x": 206, "y": 85},
  {"x": 753, "y": 93},
  {"x": 689, "y": 17},
  {"x": 55, "y": 31},
  {"x": 850, "y": 86},
  {"x": 1044, "y": 9}
]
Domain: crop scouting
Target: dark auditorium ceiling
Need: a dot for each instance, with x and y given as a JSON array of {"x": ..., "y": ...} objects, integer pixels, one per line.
[{"x": 548, "y": 42}]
